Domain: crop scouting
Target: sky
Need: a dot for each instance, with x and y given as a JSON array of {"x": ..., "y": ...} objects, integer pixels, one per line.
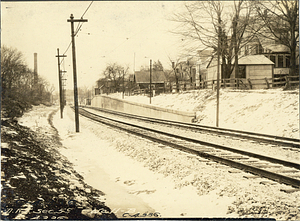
[{"x": 129, "y": 33}]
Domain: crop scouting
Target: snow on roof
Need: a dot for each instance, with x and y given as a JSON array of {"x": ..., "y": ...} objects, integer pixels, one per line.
[
  {"x": 254, "y": 59},
  {"x": 144, "y": 77},
  {"x": 277, "y": 48}
]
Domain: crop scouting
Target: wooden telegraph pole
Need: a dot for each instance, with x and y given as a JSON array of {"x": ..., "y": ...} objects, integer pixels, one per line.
[
  {"x": 150, "y": 79},
  {"x": 218, "y": 76},
  {"x": 60, "y": 84},
  {"x": 123, "y": 84},
  {"x": 63, "y": 83},
  {"x": 72, "y": 20}
]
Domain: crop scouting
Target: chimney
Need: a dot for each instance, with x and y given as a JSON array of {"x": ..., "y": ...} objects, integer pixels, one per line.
[{"x": 35, "y": 69}]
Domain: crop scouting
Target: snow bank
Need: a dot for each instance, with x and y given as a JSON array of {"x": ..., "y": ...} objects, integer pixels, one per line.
[
  {"x": 129, "y": 185},
  {"x": 272, "y": 111}
]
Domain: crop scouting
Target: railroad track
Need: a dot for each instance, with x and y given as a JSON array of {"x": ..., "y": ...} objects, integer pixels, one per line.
[
  {"x": 264, "y": 138},
  {"x": 263, "y": 166}
]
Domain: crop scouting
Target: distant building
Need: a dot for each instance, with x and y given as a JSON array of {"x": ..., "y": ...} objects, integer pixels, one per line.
[
  {"x": 184, "y": 73},
  {"x": 204, "y": 59},
  {"x": 142, "y": 80},
  {"x": 279, "y": 54},
  {"x": 253, "y": 67},
  {"x": 256, "y": 68},
  {"x": 262, "y": 44}
]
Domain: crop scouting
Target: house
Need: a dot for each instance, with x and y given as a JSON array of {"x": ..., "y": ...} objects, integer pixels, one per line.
[
  {"x": 187, "y": 70},
  {"x": 266, "y": 44},
  {"x": 258, "y": 68},
  {"x": 263, "y": 43},
  {"x": 142, "y": 80},
  {"x": 184, "y": 74},
  {"x": 279, "y": 54},
  {"x": 212, "y": 69},
  {"x": 104, "y": 86},
  {"x": 252, "y": 68},
  {"x": 204, "y": 59}
]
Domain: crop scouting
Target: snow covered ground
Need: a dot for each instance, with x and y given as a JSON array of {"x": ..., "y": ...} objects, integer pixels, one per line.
[
  {"x": 272, "y": 111},
  {"x": 138, "y": 189},
  {"x": 139, "y": 176}
]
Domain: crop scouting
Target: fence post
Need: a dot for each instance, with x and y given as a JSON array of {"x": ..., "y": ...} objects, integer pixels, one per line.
[
  {"x": 249, "y": 83},
  {"x": 287, "y": 84},
  {"x": 268, "y": 86}
]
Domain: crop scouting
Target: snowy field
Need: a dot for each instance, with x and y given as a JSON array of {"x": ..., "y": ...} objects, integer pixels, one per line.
[
  {"x": 272, "y": 111},
  {"x": 139, "y": 176}
]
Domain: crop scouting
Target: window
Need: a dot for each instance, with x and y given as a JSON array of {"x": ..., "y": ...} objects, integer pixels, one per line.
[
  {"x": 194, "y": 71},
  {"x": 246, "y": 49},
  {"x": 280, "y": 61},
  {"x": 287, "y": 61},
  {"x": 272, "y": 58},
  {"x": 258, "y": 49},
  {"x": 242, "y": 71}
]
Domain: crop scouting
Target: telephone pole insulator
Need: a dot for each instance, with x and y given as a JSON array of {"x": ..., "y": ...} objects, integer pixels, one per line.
[{"x": 72, "y": 20}]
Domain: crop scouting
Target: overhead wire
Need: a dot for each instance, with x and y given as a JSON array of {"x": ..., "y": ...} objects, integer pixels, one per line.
[
  {"x": 87, "y": 9},
  {"x": 134, "y": 35},
  {"x": 77, "y": 30}
]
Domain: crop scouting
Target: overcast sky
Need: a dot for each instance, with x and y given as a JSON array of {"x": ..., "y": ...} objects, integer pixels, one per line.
[{"x": 115, "y": 31}]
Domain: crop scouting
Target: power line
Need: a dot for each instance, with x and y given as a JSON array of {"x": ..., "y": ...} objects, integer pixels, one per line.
[
  {"x": 134, "y": 35},
  {"x": 78, "y": 28},
  {"x": 66, "y": 51},
  {"x": 87, "y": 9},
  {"x": 81, "y": 23}
]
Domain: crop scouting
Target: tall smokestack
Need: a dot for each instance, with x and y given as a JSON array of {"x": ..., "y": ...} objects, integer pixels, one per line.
[{"x": 35, "y": 69}]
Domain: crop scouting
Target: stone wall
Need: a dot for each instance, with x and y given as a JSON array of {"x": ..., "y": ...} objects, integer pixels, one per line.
[{"x": 145, "y": 110}]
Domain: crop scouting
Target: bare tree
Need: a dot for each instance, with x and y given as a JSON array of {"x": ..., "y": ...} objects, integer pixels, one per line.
[
  {"x": 281, "y": 22},
  {"x": 207, "y": 22},
  {"x": 43, "y": 91},
  {"x": 174, "y": 74},
  {"x": 50, "y": 90},
  {"x": 19, "y": 91},
  {"x": 157, "y": 66},
  {"x": 114, "y": 75},
  {"x": 12, "y": 69}
]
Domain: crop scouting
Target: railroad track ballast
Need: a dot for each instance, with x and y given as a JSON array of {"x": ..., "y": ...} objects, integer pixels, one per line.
[
  {"x": 264, "y": 166},
  {"x": 259, "y": 137}
]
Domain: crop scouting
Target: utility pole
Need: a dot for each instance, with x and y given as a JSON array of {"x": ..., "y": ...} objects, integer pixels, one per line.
[
  {"x": 150, "y": 79},
  {"x": 35, "y": 73},
  {"x": 72, "y": 20},
  {"x": 60, "y": 84},
  {"x": 218, "y": 75},
  {"x": 134, "y": 63},
  {"x": 123, "y": 85},
  {"x": 63, "y": 80}
]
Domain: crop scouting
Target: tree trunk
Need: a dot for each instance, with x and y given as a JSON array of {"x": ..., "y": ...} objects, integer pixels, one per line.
[
  {"x": 293, "y": 71},
  {"x": 235, "y": 47}
]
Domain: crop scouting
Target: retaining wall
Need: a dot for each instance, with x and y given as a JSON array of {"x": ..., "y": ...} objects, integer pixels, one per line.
[{"x": 141, "y": 109}]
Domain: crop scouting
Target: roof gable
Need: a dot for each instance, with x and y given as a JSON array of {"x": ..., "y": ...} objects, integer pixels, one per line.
[{"x": 254, "y": 59}]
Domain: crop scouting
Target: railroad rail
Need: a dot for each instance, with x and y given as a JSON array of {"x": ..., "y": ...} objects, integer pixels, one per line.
[
  {"x": 275, "y": 169},
  {"x": 265, "y": 138}
]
